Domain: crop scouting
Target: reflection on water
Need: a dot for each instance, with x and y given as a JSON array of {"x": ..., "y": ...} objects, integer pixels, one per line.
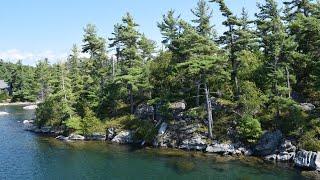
[{"x": 26, "y": 156}]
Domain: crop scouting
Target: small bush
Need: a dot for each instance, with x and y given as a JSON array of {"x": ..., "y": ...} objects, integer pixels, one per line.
[
  {"x": 197, "y": 113},
  {"x": 249, "y": 129},
  {"x": 74, "y": 123},
  {"x": 90, "y": 124},
  {"x": 309, "y": 141}
]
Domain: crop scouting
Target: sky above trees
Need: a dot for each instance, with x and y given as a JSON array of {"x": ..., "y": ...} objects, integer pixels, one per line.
[{"x": 34, "y": 29}]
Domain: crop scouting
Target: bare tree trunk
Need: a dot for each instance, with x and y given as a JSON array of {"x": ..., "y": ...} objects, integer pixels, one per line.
[
  {"x": 288, "y": 82},
  {"x": 198, "y": 93},
  {"x": 63, "y": 85},
  {"x": 237, "y": 88},
  {"x": 113, "y": 67},
  {"x": 209, "y": 111},
  {"x": 131, "y": 98}
]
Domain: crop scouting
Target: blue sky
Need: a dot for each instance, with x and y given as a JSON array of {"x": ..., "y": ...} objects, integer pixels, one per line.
[{"x": 33, "y": 29}]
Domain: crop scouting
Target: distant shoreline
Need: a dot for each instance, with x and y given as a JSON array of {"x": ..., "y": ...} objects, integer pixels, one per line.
[{"x": 18, "y": 103}]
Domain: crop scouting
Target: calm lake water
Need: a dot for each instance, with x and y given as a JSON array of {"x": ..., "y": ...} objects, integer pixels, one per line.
[{"x": 24, "y": 155}]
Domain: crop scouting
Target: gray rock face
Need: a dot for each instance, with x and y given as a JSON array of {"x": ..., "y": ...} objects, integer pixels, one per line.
[
  {"x": 307, "y": 106},
  {"x": 162, "y": 128},
  {"x": 245, "y": 151},
  {"x": 178, "y": 106},
  {"x": 124, "y": 137},
  {"x": 189, "y": 129},
  {"x": 286, "y": 156},
  {"x": 144, "y": 111},
  {"x": 285, "y": 153},
  {"x": 287, "y": 146},
  {"x": 221, "y": 148},
  {"x": 111, "y": 133},
  {"x": 307, "y": 160},
  {"x": 76, "y": 137},
  {"x": 268, "y": 143},
  {"x": 196, "y": 142},
  {"x": 180, "y": 134},
  {"x": 168, "y": 139}
]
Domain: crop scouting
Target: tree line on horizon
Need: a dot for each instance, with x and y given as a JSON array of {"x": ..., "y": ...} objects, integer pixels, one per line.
[{"x": 259, "y": 71}]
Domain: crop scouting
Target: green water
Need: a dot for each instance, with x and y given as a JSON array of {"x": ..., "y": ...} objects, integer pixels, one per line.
[{"x": 24, "y": 155}]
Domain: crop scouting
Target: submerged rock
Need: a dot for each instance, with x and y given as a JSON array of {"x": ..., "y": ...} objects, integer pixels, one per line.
[
  {"x": 76, "y": 137},
  {"x": 307, "y": 160},
  {"x": 268, "y": 143},
  {"x": 3, "y": 113},
  {"x": 96, "y": 137},
  {"x": 31, "y": 107},
  {"x": 272, "y": 157},
  {"x": 62, "y": 138},
  {"x": 124, "y": 137},
  {"x": 184, "y": 166},
  {"x": 28, "y": 122}
]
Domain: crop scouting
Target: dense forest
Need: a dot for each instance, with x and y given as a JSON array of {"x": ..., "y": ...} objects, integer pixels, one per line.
[{"x": 251, "y": 78}]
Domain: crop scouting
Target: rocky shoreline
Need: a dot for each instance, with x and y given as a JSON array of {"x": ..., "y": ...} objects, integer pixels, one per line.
[{"x": 272, "y": 146}]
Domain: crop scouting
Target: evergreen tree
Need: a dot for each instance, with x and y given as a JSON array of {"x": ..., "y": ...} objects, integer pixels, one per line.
[
  {"x": 229, "y": 39},
  {"x": 147, "y": 48},
  {"x": 203, "y": 14},
  {"x": 43, "y": 76},
  {"x": 94, "y": 68},
  {"x": 277, "y": 47},
  {"x": 74, "y": 72},
  {"x": 305, "y": 31},
  {"x": 132, "y": 69},
  {"x": 294, "y": 7}
]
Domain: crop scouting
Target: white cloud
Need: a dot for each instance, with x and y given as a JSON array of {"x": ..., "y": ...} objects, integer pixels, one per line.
[{"x": 31, "y": 57}]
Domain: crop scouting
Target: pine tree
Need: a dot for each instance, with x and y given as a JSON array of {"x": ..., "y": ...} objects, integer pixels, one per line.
[
  {"x": 94, "y": 68},
  {"x": 43, "y": 76},
  {"x": 147, "y": 48},
  {"x": 229, "y": 39},
  {"x": 277, "y": 47},
  {"x": 132, "y": 69},
  {"x": 294, "y": 7},
  {"x": 204, "y": 64},
  {"x": 203, "y": 14},
  {"x": 171, "y": 30},
  {"x": 74, "y": 73},
  {"x": 305, "y": 31}
]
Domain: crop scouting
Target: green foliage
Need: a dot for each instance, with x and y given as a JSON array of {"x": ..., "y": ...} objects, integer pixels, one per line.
[
  {"x": 249, "y": 129},
  {"x": 50, "y": 113},
  {"x": 197, "y": 113},
  {"x": 90, "y": 124},
  {"x": 74, "y": 123},
  {"x": 3, "y": 96},
  {"x": 251, "y": 99},
  {"x": 310, "y": 141}
]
